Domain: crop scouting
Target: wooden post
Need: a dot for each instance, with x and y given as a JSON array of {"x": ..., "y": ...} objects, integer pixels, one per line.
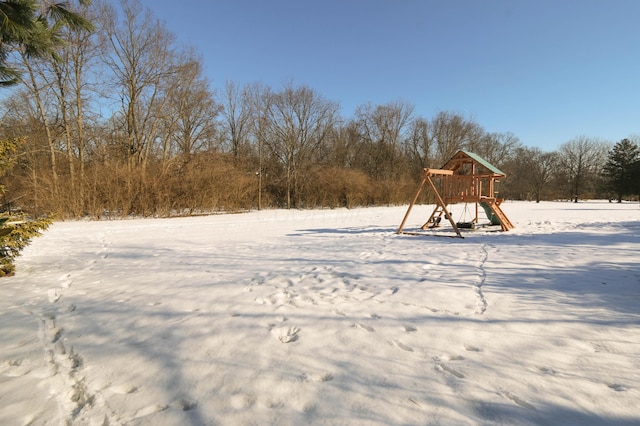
[
  {"x": 444, "y": 207},
  {"x": 424, "y": 178}
]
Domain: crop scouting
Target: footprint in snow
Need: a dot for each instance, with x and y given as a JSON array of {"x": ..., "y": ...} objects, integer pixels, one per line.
[
  {"x": 318, "y": 377},
  {"x": 286, "y": 335},
  {"x": 402, "y": 346},
  {"x": 69, "y": 308},
  {"x": 65, "y": 281},
  {"x": 151, "y": 409},
  {"x": 242, "y": 401},
  {"x": 15, "y": 368},
  {"x": 123, "y": 389},
  {"x": 522, "y": 403},
  {"x": 546, "y": 370},
  {"x": 365, "y": 327},
  {"x": 54, "y": 295},
  {"x": 450, "y": 370},
  {"x": 183, "y": 404},
  {"x": 617, "y": 387},
  {"x": 455, "y": 357}
]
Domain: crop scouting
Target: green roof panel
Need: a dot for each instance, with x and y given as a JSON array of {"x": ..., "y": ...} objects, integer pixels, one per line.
[{"x": 484, "y": 163}]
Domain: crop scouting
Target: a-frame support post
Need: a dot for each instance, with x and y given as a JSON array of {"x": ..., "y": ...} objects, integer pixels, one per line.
[
  {"x": 442, "y": 204},
  {"x": 426, "y": 177},
  {"x": 404, "y": 220}
]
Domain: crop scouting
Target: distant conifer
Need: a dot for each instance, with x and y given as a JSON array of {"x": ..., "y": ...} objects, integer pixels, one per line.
[{"x": 620, "y": 169}]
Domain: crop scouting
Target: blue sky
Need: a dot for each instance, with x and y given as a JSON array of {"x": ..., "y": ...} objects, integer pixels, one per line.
[{"x": 546, "y": 71}]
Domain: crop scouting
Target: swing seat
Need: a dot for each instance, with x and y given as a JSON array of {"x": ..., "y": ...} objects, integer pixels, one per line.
[
  {"x": 463, "y": 222},
  {"x": 466, "y": 225}
]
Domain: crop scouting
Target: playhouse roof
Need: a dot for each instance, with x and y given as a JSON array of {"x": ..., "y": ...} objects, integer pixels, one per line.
[{"x": 462, "y": 155}]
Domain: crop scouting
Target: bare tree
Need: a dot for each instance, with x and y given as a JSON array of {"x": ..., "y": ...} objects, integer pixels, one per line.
[
  {"x": 543, "y": 172},
  {"x": 382, "y": 130},
  {"x": 236, "y": 114},
  {"x": 141, "y": 62},
  {"x": 496, "y": 148},
  {"x": 23, "y": 120},
  {"x": 258, "y": 100},
  {"x": 420, "y": 145},
  {"x": 298, "y": 121},
  {"x": 452, "y": 132},
  {"x": 39, "y": 88},
  {"x": 190, "y": 114},
  {"x": 531, "y": 173},
  {"x": 581, "y": 160},
  {"x": 341, "y": 147},
  {"x": 74, "y": 71}
]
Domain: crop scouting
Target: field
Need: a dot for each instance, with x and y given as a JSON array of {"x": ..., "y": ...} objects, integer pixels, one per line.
[{"x": 288, "y": 317}]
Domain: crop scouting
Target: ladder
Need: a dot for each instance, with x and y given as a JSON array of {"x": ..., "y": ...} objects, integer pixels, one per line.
[{"x": 435, "y": 218}]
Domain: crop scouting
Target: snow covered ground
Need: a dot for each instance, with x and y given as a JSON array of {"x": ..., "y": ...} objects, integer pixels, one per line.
[{"x": 327, "y": 317}]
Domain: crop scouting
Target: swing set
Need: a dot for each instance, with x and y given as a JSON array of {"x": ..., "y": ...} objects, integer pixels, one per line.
[{"x": 465, "y": 178}]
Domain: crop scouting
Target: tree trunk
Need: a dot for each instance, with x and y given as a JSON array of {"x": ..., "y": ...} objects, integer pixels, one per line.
[
  {"x": 67, "y": 136},
  {"x": 81, "y": 136},
  {"x": 43, "y": 116}
]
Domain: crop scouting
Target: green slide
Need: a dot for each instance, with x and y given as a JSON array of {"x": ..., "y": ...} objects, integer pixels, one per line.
[{"x": 490, "y": 214}]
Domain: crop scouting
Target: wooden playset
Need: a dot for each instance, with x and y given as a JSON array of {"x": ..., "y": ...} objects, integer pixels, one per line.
[{"x": 465, "y": 178}]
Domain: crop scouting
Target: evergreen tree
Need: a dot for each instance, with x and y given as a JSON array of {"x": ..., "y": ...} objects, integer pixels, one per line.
[
  {"x": 619, "y": 171},
  {"x": 635, "y": 178},
  {"x": 31, "y": 26},
  {"x": 16, "y": 230}
]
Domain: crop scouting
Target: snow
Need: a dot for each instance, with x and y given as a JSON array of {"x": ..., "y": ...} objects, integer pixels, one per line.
[{"x": 327, "y": 317}]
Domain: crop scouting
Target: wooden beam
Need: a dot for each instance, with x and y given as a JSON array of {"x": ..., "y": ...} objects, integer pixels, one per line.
[
  {"x": 425, "y": 176},
  {"x": 436, "y": 172}
]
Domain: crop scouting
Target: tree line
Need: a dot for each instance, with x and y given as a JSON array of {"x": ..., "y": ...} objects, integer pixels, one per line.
[
  {"x": 31, "y": 28},
  {"x": 119, "y": 119}
]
